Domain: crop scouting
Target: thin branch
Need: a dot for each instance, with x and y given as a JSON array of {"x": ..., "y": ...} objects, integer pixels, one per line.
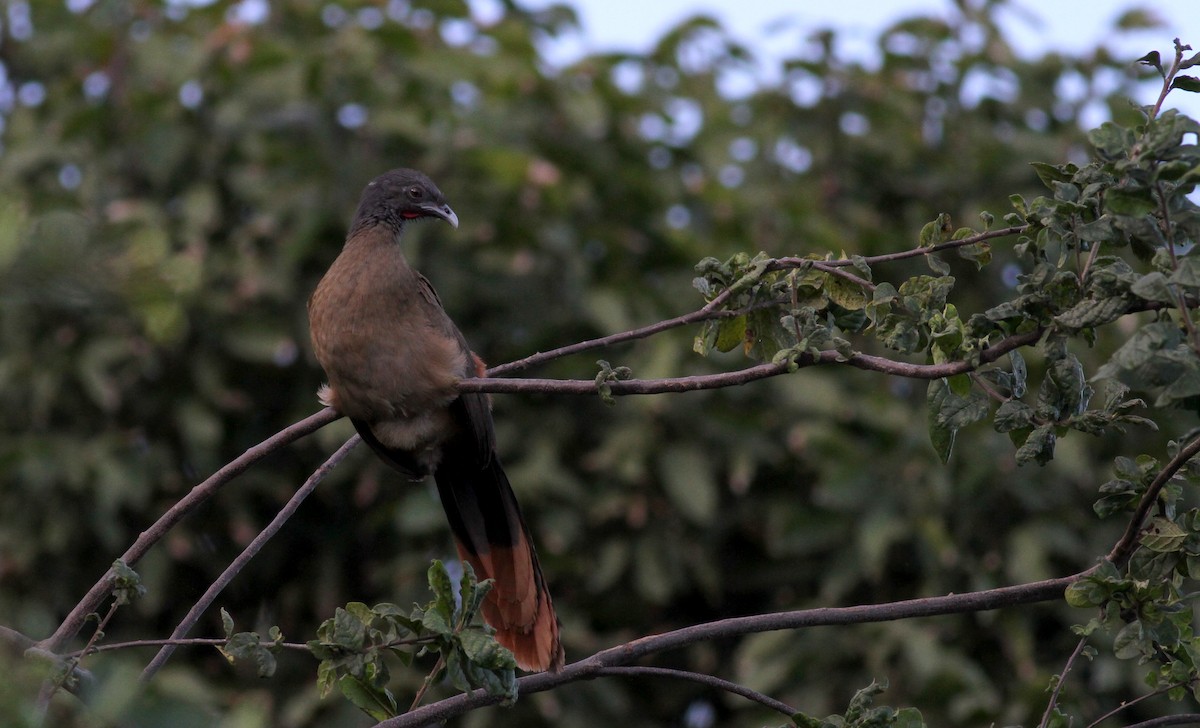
[
  {"x": 629, "y": 652},
  {"x": 200, "y": 493},
  {"x": 709, "y": 311},
  {"x": 1062, "y": 678},
  {"x": 843, "y": 274},
  {"x": 1135, "y": 701},
  {"x": 189, "y": 642},
  {"x": 867, "y": 362},
  {"x": 712, "y": 309},
  {"x": 51, "y": 685},
  {"x": 248, "y": 553},
  {"x": 905, "y": 254},
  {"x": 1125, "y": 547},
  {"x": 702, "y": 679},
  {"x": 1181, "y": 719}
]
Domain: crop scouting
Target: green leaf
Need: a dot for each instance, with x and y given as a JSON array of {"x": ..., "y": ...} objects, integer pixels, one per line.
[
  {"x": 1013, "y": 415},
  {"x": 1049, "y": 174},
  {"x": 374, "y": 701},
  {"x": 1019, "y": 373},
  {"x": 1187, "y": 274},
  {"x": 226, "y": 623},
  {"x": 127, "y": 583},
  {"x": 1190, "y": 84},
  {"x": 1091, "y": 313},
  {"x": 978, "y": 253},
  {"x": 1133, "y": 202},
  {"x": 1153, "y": 287},
  {"x": 848, "y": 295},
  {"x": 1130, "y": 641},
  {"x": 1163, "y": 535},
  {"x": 1086, "y": 592},
  {"x": 1038, "y": 446},
  {"x": 731, "y": 333},
  {"x": 937, "y": 265}
]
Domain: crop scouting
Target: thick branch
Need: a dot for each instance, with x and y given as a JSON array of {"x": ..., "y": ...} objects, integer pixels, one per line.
[
  {"x": 101, "y": 589},
  {"x": 625, "y": 654},
  {"x": 210, "y": 595}
]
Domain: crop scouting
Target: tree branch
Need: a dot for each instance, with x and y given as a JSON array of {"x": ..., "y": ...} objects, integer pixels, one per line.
[
  {"x": 712, "y": 309},
  {"x": 1128, "y": 542},
  {"x": 243, "y": 558},
  {"x": 629, "y": 652},
  {"x": 781, "y": 263},
  {"x": 709, "y": 311},
  {"x": 188, "y": 642},
  {"x": 702, "y": 679},
  {"x": 1131, "y": 703},
  {"x": 101, "y": 589},
  {"x": 1062, "y": 678},
  {"x": 1182, "y": 719},
  {"x": 867, "y": 362}
]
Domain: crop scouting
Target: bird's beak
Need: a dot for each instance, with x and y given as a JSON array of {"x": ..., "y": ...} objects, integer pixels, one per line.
[{"x": 443, "y": 211}]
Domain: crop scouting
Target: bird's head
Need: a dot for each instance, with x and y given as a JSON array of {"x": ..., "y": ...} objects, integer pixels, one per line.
[{"x": 399, "y": 196}]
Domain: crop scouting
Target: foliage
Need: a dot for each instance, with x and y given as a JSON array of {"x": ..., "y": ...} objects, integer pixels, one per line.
[
  {"x": 174, "y": 180},
  {"x": 351, "y": 645}
]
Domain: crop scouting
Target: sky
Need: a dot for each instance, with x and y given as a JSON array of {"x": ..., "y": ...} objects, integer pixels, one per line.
[{"x": 1033, "y": 27}]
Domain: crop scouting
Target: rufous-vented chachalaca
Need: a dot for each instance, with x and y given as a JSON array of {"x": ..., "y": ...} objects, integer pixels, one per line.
[{"x": 393, "y": 358}]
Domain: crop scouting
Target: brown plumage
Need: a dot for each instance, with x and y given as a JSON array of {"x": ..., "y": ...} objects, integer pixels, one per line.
[{"x": 393, "y": 357}]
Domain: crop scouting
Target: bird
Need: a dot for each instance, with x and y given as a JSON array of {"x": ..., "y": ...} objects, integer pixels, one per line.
[{"x": 393, "y": 358}]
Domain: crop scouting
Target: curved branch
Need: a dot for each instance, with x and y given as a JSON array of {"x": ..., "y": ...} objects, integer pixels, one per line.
[
  {"x": 1130, "y": 703},
  {"x": 710, "y": 310},
  {"x": 781, "y": 263},
  {"x": 1181, "y": 719},
  {"x": 867, "y": 362},
  {"x": 1125, "y": 547},
  {"x": 702, "y": 679},
  {"x": 188, "y": 642},
  {"x": 197, "y": 495},
  {"x": 590, "y": 667},
  {"x": 243, "y": 558}
]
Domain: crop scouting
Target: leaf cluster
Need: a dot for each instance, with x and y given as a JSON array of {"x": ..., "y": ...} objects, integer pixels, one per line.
[{"x": 353, "y": 644}]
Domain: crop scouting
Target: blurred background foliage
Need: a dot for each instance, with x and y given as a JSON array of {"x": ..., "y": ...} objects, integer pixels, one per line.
[{"x": 175, "y": 177}]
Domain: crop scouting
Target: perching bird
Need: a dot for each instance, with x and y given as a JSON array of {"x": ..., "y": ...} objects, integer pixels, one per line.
[{"x": 393, "y": 358}]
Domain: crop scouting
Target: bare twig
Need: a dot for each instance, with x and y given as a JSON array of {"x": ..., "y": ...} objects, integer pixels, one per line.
[
  {"x": 702, "y": 679},
  {"x": 905, "y": 254},
  {"x": 590, "y": 667},
  {"x": 188, "y": 642},
  {"x": 838, "y": 271},
  {"x": 248, "y": 553},
  {"x": 1181, "y": 719},
  {"x": 1135, "y": 701},
  {"x": 1062, "y": 678},
  {"x": 868, "y": 362},
  {"x": 51, "y": 685},
  {"x": 1125, "y": 547},
  {"x": 95, "y": 596},
  {"x": 710, "y": 310}
]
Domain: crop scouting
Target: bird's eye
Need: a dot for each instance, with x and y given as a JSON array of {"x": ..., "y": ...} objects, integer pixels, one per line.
[{"x": 416, "y": 193}]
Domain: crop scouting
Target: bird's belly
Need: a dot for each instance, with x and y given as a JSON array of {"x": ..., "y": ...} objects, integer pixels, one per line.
[{"x": 379, "y": 379}]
